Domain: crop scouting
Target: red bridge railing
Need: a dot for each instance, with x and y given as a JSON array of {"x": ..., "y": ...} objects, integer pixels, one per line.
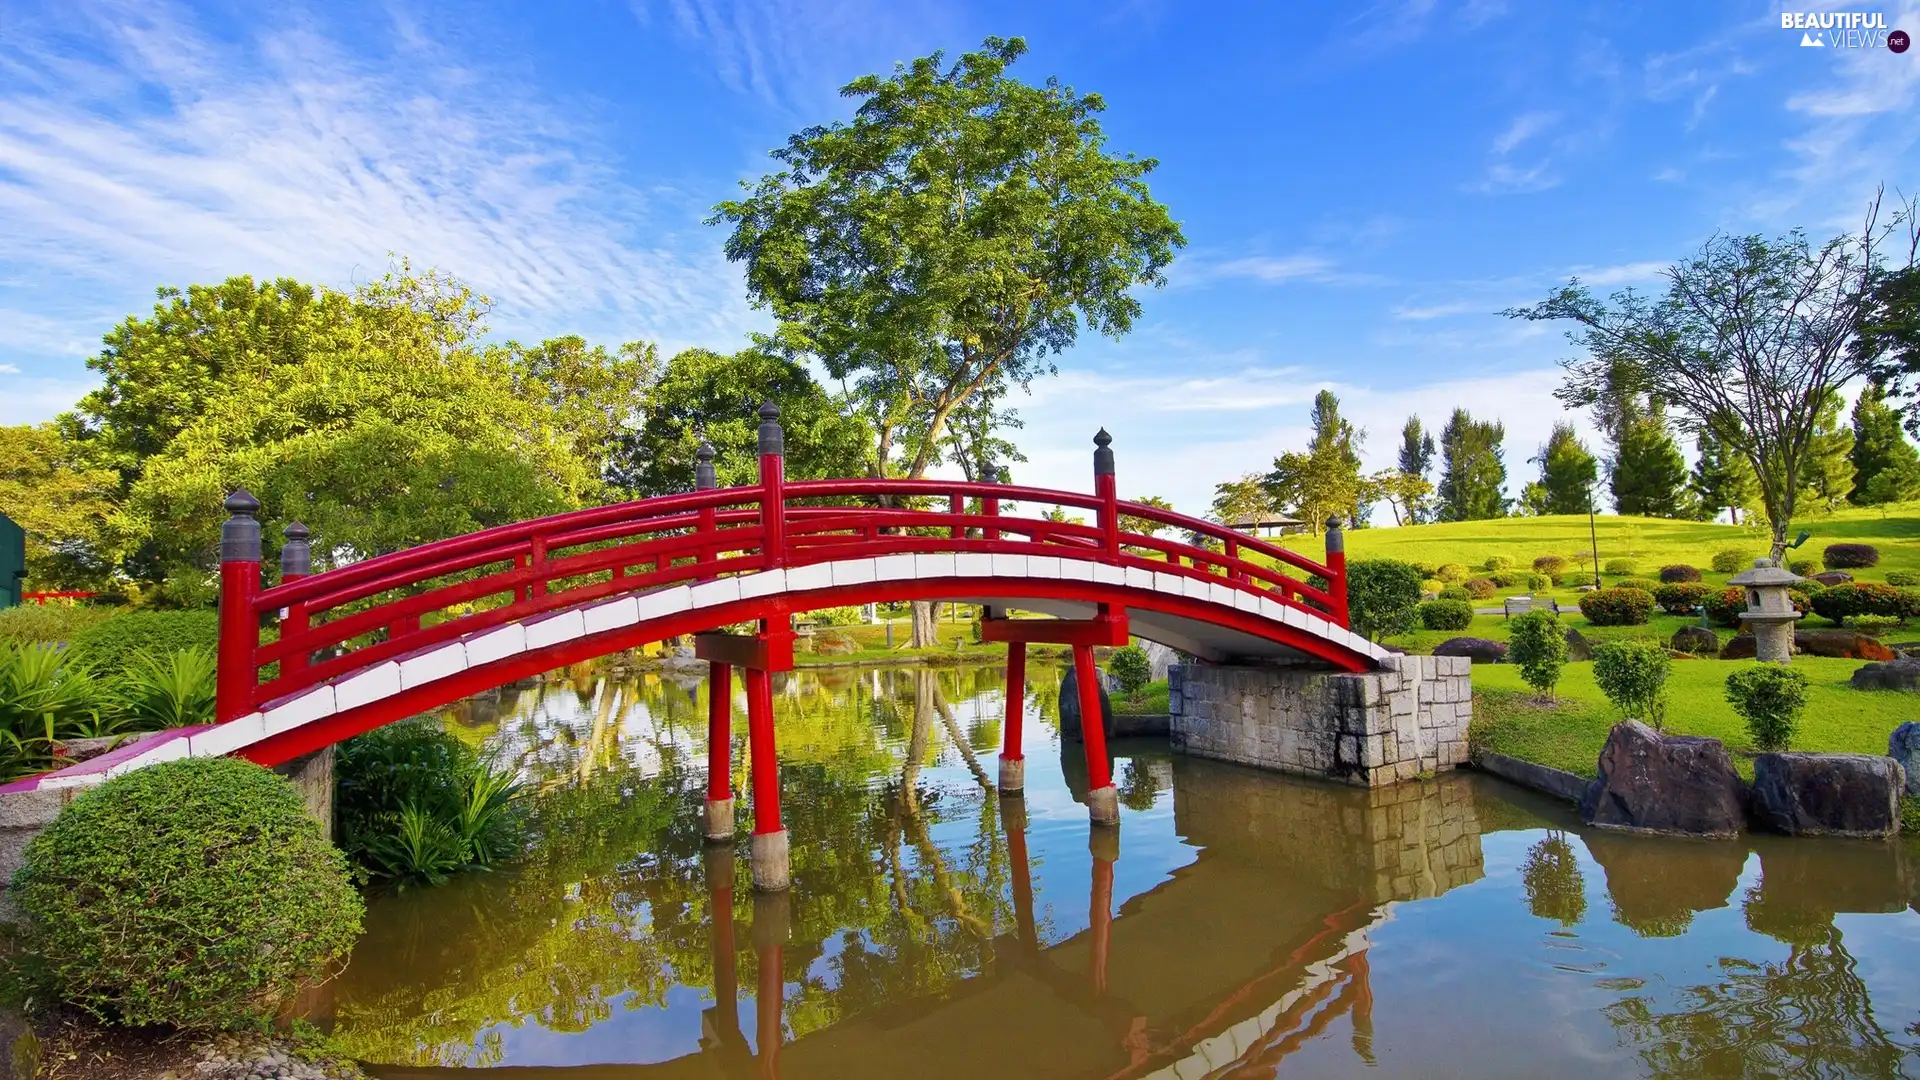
[{"x": 343, "y": 620}]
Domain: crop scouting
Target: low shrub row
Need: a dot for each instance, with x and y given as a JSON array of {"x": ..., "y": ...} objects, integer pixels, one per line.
[{"x": 1617, "y": 607}]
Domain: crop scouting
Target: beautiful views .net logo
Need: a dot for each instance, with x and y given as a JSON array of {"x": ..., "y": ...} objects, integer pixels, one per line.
[{"x": 1845, "y": 30}]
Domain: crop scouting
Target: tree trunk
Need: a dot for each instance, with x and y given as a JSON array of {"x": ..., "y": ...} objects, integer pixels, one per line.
[{"x": 926, "y": 633}]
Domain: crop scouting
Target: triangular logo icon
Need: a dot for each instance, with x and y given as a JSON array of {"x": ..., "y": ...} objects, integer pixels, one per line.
[{"x": 1808, "y": 41}]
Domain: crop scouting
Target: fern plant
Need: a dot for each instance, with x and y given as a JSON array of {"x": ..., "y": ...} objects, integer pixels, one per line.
[{"x": 165, "y": 690}]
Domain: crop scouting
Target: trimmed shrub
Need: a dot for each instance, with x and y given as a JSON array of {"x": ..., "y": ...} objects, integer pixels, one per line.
[
  {"x": 1453, "y": 573},
  {"x": 1381, "y": 596},
  {"x": 1617, "y": 607},
  {"x": 1863, "y": 598},
  {"x": 196, "y": 893},
  {"x": 1803, "y": 567},
  {"x": 1550, "y": 564},
  {"x": 1678, "y": 572},
  {"x": 1561, "y": 581},
  {"x": 1849, "y": 556},
  {"x": 1497, "y": 563},
  {"x": 108, "y": 647},
  {"x": 1539, "y": 582},
  {"x": 1769, "y": 698},
  {"x": 1504, "y": 579},
  {"x": 1481, "y": 588},
  {"x": 1645, "y": 585},
  {"x": 1619, "y": 567},
  {"x": 1730, "y": 561},
  {"x": 1446, "y": 614},
  {"x": 1131, "y": 665},
  {"x": 1724, "y": 606},
  {"x": 1455, "y": 592},
  {"x": 1539, "y": 646},
  {"x": 1432, "y": 585},
  {"x": 37, "y": 624},
  {"x": 1902, "y": 578},
  {"x": 1633, "y": 675},
  {"x": 1681, "y": 597},
  {"x": 1873, "y": 625}
]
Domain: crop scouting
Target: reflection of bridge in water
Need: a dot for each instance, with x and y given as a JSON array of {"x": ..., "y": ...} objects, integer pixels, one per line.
[{"x": 1212, "y": 970}]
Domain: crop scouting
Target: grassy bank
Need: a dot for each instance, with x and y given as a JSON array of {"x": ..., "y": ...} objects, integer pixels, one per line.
[{"x": 1569, "y": 732}]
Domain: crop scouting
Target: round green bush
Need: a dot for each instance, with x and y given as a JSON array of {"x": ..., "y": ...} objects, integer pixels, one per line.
[
  {"x": 1864, "y": 598},
  {"x": 1682, "y": 597},
  {"x": 108, "y": 648},
  {"x": 1550, "y": 564},
  {"x": 1536, "y": 643},
  {"x": 1455, "y": 592},
  {"x": 1432, "y": 585},
  {"x": 1724, "y": 606},
  {"x": 1481, "y": 588},
  {"x": 1381, "y": 597},
  {"x": 1504, "y": 579},
  {"x": 1731, "y": 561},
  {"x": 1873, "y": 625},
  {"x": 1645, "y": 585},
  {"x": 1617, "y": 607},
  {"x": 1803, "y": 567},
  {"x": 1539, "y": 582},
  {"x": 1769, "y": 698},
  {"x": 1678, "y": 572},
  {"x": 1446, "y": 614},
  {"x": 1497, "y": 563},
  {"x": 196, "y": 893},
  {"x": 1131, "y": 665},
  {"x": 1453, "y": 573},
  {"x": 1903, "y": 578},
  {"x": 1619, "y": 567},
  {"x": 1633, "y": 675},
  {"x": 1849, "y": 556}
]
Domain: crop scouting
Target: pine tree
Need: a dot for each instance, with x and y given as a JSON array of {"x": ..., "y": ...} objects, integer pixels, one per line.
[
  {"x": 1567, "y": 473},
  {"x": 1648, "y": 475},
  {"x": 1886, "y": 468},
  {"x": 1826, "y": 472},
  {"x": 1722, "y": 479},
  {"x": 1473, "y": 472},
  {"x": 1416, "y": 461},
  {"x": 1325, "y": 481}
]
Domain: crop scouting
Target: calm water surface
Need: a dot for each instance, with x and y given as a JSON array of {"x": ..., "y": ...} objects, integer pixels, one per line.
[{"x": 1237, "y": 924}]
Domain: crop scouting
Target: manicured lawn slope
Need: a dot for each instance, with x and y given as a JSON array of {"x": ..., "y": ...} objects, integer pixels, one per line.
[{"x": 1569, "y": 735}]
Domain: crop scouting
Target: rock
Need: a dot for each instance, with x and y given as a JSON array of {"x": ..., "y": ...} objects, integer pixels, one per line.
[
  {"x": 1664, "y": 784},
  {"x": 1832, "y": 577},
  {"x": 1695, "y": 639},
  {"x": 1901, "y": 674},
  {"x": 1579, "y": 649},
  {"x": 1738, "y": 647},
  {"x": 1903, "y": 746},
  {"x": 1478, "y": 650},
  {"x": 1070, "y": 706},
  {"x": 1840, "y": 644},
  {"x": 1828, "y": 794}
]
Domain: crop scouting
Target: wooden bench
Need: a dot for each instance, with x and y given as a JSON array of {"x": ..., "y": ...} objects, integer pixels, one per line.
[{"x": 1520, "y": 605}]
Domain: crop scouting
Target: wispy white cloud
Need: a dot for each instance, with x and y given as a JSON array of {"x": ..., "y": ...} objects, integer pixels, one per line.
[
  {"x": 1620, "y": 273},
  {"x": 1203, "y": 269},
  {"x": 26, "y": 399},
  {"x": 1422, "y": 312},
  {"x": 9, "y": 369},
  {"x": 1524, "y": 127},
  {"x": 1669, "y": 175},
  {"x": 1503, "y": 178}
]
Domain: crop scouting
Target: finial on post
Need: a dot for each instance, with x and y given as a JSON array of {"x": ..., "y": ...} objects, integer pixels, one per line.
[
  {"x": 240, "y": 536},
  {"x": 772, "y": 439},
  {"x": 703, "y": 477},
  {"x": 1336, "y": 539},
  {"x": 989, "y": 474},
  {"x": 1103, "y": 454},
  {"x": 296, "y": 556}
]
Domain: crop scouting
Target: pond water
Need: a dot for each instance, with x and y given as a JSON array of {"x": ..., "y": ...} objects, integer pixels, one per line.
[{"x": 1236, "y": 924}]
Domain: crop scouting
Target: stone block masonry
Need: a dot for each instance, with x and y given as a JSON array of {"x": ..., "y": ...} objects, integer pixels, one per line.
[{"x": 1382, "y": 727}]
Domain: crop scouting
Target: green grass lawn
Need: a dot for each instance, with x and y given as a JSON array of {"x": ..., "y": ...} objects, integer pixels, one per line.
[
  {"x": 1149, "y": 700},
  {"x": 1497, "y": 627},
  {"x": 1569, "y": 733}
]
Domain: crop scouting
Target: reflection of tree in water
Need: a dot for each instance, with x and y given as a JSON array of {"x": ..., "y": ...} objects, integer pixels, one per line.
[
  {"x": 1555, "y": 887},
  {"x": 1806, "y": 1016}
]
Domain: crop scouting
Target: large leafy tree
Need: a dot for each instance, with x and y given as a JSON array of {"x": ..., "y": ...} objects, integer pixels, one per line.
[
  {"x": 1473, "y": 471},
  {"x": 1750, "y": 337},
  {"x": 1245, "y": 499},
  {"x": 717, "y": 397},
  {"x": 1648, "y": 475},
  {"x": 1721, "y": 480},
  {"x": 64, "y": 506},
  {"x": 593, "y": 393},
  {"x": 1567, "y": 473},
  {"x": 1325, "y": 480},
  {"x": 1885, "y": 467},
  {"x": 947, "y": 241}
]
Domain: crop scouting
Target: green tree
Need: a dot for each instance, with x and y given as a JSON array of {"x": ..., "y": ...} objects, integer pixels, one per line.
[
  {"x": 1408, "y": 495},
  {"x": 594, "y": 394},
  {"x": 715, "y": 396},
  {"x": 1721, "y": 480},
  {"x": 947, "y": 241},
  {"x": 1539, "y": 646},
  {"x": 1750, "y": 337},
  {"x": 1324, "y": 481},
  {"x": 1647, "y": 474},
  {"x": 1826, "y": 471},
  {"x": 1245, "y": 499},
  {"x": 65, "y": 507},
  {"x": 1567, "y": 472},
  {"x": 1473, "y": 474},
  {"x": 1146, "y": 526},
  {"x": 1416, "y": 464},
  {"x": 1886, "y": 469},
  {"x": 1383, "y": 596},
  {"x": 1534, "y": 500}
]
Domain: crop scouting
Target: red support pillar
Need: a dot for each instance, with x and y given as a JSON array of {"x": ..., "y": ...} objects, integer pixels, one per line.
[
  {"x": 722, "y": 1025},
  {"x": 1014, "y": 813},
  {"x": 237, "y": 679},
  {"x": 1337, "y": 571},
  {"x": 720, "y": 751},
  {"x": 1104, "y": 846},
  {"x": 773, "y": 497},
  {"x": 1013, "y": 761},
  {"x": 1103, "y": 802},
  {"x": 771, "y": 919},
  {"x": 769, "y": 855},
  {"x": 1103, "y": 487},
  {"x": 704, "y": 480},
  {"x": 296, "y": 562}
]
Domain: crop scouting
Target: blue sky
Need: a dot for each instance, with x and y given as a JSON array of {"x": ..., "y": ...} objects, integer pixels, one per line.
[{"x": 1361, "y": 187}]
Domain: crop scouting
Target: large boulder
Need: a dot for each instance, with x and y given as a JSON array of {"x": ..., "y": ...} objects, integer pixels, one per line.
[
  {"x": 1840, "y": 644},
  {"x": 1903, "y": 745},
  {"x": 1476, "y": 649},
  {"x": 1579, "y": 649},
  {"x": 1830, "y": 578},
  {"x": 1738, "y": 647},
  {"x": 1901, "y": 674},
  {"x": 1828, "y": 794},
  {"x": 1697, "y": 640},
  {"x": 1657, "y": 783},
  {"x": 1070, "y": 706}
]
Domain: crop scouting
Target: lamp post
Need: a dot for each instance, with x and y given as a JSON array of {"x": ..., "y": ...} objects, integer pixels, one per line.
[{"x": 1593, "y": 537}]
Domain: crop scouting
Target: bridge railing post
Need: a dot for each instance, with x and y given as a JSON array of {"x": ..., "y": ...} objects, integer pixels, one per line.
[
  {"x": 1337, "y": 570},
  {"x": 705, "y": 480},
  {"x": 1103, "y": 487},
  {"x": 296, "y": 562},
  {"x": 989, "y": 506},
  {"x": 239, "y": 626},
  {"x": 773, "y": 498}
]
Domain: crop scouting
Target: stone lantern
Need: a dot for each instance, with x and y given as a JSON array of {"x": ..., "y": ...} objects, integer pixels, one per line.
[{"x": 1769, "y": 613}]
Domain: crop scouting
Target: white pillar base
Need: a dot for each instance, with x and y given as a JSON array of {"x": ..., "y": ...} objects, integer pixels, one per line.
[
  {"x": 719, "y": 819},
  {"x": 1013, "y": 775},
  {"x": 1103, "y": 805},
  {"x": 771, "y": 872}
]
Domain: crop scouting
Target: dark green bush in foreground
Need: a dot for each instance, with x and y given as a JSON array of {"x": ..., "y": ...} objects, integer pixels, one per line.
[
  {"x": 415, "y": 805},
  {"x": 109, "y": 647},
  {"x": 196, "y": 893}
]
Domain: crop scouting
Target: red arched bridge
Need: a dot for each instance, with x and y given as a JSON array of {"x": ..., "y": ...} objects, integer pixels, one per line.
[{"x": 374, "y": 641}]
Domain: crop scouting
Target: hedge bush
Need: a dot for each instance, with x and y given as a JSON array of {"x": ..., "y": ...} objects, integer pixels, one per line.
[
  {"x": 1481, "y": 588},
  {"x": 1537, "y": 644},
  {"x": 1802, "y": 567},
  {"x": 1550, "y": 564},
  {"x": 1645, "y": 585},
  {"x": 1505, "y": 579},
  {"x": 1903, "y": 578},
  {"x": 1633, "y": 675},
  {"x": 1864, "y": 598},
  {"x": 1446, "y": 614},
  {"x": 1730, "y": 561},
  {"x": 1769, "y": 698},
  {"x": 1432, "y": 585},
  {"x": 1873, "y": 625},
  {"x": 1539, "y": 582},
  {"x": 1496, "y": 563},
  {"x": 1617, "y": 607},
  {"x": 416, "y": 804},
  {"x": 1453, "y": 573},
  {"x": 109, "y": 647},
  {"x": 1131, "y": 665},
  {"x": 1682, "y": 597},
  {"x": 1455, "y": 592},
  {"x": 1619, "y": 567},
  {"x": 1381, "y": 596},
  {"x": 1849, "y": 556},
  {"x": 195, "y": 893},
  {"x": 1678, "y": 572},
  {"x": 39, "y": 624}
]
